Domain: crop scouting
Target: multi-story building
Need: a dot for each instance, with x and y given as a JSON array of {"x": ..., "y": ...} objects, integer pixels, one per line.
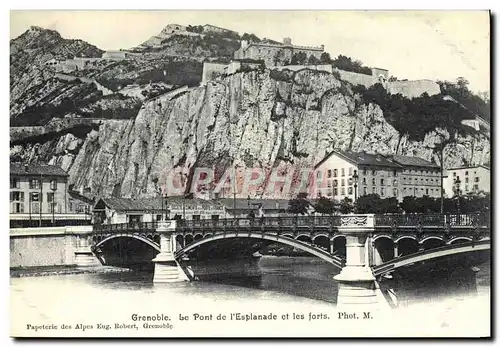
[
  {"x": 36, "y": 189},
  {"x": 419, "y": 177},
  {"x": 473, "y": 179},
  {"x": 39, "y": 196},
  {"x": 275, "y": 54},
  {"x": 349, "y": 174}
]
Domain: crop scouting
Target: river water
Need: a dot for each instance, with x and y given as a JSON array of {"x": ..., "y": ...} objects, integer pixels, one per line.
[{"x": 300, "y": 291}]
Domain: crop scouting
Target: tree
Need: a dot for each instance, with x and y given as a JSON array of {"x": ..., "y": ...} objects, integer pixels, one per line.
[
  {"x": 346, "y": 206},
  {"x": 325, "y": 206},
  {"x": 369, "y": 203},
  {"x": 298, "y": 58},
  {"x": 392, "y": 79},
  {"x": 250, "y": 37},
  {"x": 312, "y": 60},
  {"x": 410, "y": 204},
  {"x": 299, "y": 205},
  {"x": 325, "y": 58}
]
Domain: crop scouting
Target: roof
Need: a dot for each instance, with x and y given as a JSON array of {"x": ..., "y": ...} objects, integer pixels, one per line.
[
  {"x": 487, "y": 166},
  {"x": 413, "y": 161},
  {"x": 362, "y": 158},
  {"x": 148, "y": 204},
  {"x": 266, "y": 204},
  {"x": 78, "y": 196},
  {"x": 36, "y": 170}
]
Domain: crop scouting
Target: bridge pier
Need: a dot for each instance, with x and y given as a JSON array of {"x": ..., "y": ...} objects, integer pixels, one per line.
[
  {"x": 83, "y": 254},
  {"x": 167, "y": 269},
  {"x": 357, "y": 287}
]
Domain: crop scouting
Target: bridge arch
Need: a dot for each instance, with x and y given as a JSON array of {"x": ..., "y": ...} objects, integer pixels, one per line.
[
  {"x": 405, "y": 237},
  {"x": 429, "y": 254},
  {"x": 460, "y": 238},
  {"x": 146, "y": 240},
  {"x": 425, "y": 239},
  {"x": 309, "y": 248},
  {"x": 382, "y": 236}
]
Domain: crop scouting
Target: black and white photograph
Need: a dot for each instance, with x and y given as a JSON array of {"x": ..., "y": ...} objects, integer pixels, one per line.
[{"x": 249, "y": 173}]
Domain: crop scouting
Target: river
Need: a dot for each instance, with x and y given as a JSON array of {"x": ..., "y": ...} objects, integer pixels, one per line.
[{"x": 451, "y": 303}]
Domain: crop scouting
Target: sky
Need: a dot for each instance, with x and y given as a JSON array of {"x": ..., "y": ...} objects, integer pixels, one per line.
[{"x": 436, "y": 45}]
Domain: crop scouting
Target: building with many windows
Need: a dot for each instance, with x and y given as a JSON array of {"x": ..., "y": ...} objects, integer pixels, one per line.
[
  {"x": 419, "y": 177},
  {"x": 349, "y": 174},
  {"x": 36, "y": 189},
  {"x": 473, "y": 179}
]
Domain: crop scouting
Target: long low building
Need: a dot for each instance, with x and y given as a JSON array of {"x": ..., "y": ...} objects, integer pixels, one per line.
[{"x": 128, "y": 210}]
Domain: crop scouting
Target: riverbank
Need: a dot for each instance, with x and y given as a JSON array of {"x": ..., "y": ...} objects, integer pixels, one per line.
[{"x": 38, "y": 271}]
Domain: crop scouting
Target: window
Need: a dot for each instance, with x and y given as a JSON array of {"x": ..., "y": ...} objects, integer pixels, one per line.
[
  {"x": 395, "y": 192},
  {"x": 373, "y": 172},
  {"x": 342, "y": 191},
  {"x": 335, "y": 183},
  {"x": 35, "y": 197},
  {"x": 158, "y": 217},
  {"x": 364, "y": 180},
  {"x": 53, "y": 184},
  {"x": 395, "y": 182},
  {"x": 334, "y": 172},
  {"x": 426, "y": 191},
  {"x": 388, "y": 174},
  {"x": 382, "y": 191},
  {"x": 373, "y": 181},
  {"x": 365, "y": 171},
  {"x": 35, "y": 207},
  {"x": 17, "y": 208},
  {"x": 343, "y": 182},
  {"x": 466, "y": 179},
  {"x": 350, "y": 171},
  {"x": 14, "y": 183},
  {"x": 329, "y": 173},
  {"x": 214, "y": 217},
  {"x": 34, "y": 183},
  {"x": 329, "y": 184},
  {"x": 329, "y": 193},
  {"x": 374, "y": 190},
  {"x": 466, "y": 188},
  {"x": 381, "y": 181},
  {"x": 349, "y": 190},
  {"x": 476, "y": 179},
  {"x": 349, "y": 181},
  {"x": 365, "y": 191},
  {"x": 454, "y": 174},
  {"x": 196, "y": 217},
  {"x": 50, "y": 197},
  {"x": 335, "y": 191},
  {"x": 16, "y": 196},
  {"x": 395, "y": 173},
  {"x": 342, "y": 172},
  {"x": 318, "y": 174},
  {"x": 466, "y": 173},
  {"x": 476, "y": 186}
]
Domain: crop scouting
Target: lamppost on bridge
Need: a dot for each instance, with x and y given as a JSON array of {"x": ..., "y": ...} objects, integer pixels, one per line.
[
  {"x": 355, "y": 177},
  {"x": 53, "y": 187},
  {"x": 457, "y": 191}
]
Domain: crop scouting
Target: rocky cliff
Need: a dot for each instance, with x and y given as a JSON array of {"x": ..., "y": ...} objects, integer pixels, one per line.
[{"x": 250, "y": 119}]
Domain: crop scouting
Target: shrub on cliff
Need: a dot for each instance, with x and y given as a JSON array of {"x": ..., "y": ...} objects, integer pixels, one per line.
[
  {"x": 283, "y": 75},
  {"x": 418, "y": 116}
]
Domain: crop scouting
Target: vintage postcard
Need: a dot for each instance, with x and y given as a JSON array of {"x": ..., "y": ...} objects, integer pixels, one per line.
[{"x": 250, "y": 174}]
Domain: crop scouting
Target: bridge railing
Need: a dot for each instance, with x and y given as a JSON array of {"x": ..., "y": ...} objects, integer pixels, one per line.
[
  {"x": 423, "y": 219},
  {"x": 125, "y": 226},
  {"x": 399, "y": 220}
]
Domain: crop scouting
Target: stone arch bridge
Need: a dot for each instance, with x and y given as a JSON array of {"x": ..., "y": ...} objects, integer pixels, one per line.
[{"x": 365, "y": 247}]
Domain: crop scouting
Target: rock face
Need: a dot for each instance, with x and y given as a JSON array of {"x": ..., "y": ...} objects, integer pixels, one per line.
[{"x": 250, "y": 119}]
